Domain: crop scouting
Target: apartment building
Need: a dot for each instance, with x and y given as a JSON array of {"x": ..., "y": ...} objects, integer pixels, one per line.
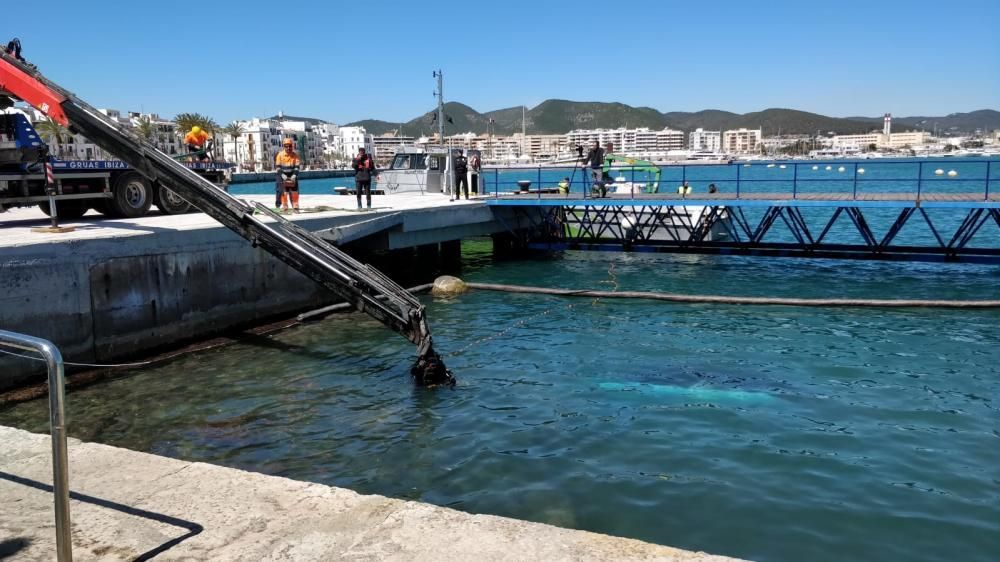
[
  {"x": 740, "y": 141},
  {"x": 700, "y": 139}
]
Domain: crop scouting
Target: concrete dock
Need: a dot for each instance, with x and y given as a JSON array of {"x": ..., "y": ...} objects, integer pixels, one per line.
[
  {"x": 117, "y": 288},
  {"x": 127, "y": 505}
]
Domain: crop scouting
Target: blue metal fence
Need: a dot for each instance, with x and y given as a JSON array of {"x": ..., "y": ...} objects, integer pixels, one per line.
[{"x": 918, "y": 177}]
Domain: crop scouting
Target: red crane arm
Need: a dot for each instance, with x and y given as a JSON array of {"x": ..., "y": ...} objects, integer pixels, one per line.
[{"x": 16, "y": 80}]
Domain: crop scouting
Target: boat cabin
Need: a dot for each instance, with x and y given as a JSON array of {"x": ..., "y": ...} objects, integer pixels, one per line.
[{"x": 420, "y": 170}]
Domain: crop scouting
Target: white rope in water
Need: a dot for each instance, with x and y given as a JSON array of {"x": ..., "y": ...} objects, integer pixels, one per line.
[{"x": 108, "y": 366}]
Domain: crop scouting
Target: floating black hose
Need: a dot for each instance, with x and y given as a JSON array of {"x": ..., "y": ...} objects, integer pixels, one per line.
[{"x": 718, "y": 299}]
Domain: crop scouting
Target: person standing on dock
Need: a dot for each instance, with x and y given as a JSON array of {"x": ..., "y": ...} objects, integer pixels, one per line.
[
  {"x": 364, "y": 168},
  {"x": 595, "y": 161},
  {"x": 286, "y": 164},
  {"x": 475, "y": 166},
  {"x": 461, "y": 175}
]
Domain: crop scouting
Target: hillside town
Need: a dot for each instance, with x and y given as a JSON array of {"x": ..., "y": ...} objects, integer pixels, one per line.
[{"x": 253, "y": 143}]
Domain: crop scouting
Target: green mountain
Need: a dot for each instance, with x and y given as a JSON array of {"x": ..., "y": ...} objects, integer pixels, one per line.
[
  {"x": 560, "y": 116},
  {"x": 708, "y": 119},
  {"x": 791, "y": 121}
]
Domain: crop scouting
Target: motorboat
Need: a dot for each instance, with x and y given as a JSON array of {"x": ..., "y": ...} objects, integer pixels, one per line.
[{"x": 425, "y": 170}]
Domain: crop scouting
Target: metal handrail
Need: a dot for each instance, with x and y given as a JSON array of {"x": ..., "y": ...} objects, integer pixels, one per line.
[
  {"x": 57, "y": 421},
  {"x": 792, "y": 180}
]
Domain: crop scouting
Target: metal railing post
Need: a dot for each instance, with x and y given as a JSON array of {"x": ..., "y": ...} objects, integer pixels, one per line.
[
  {"x": 57, "y": 421},
  {"x": 795, "y": 180},
  {"x": 496, "y": 182},
  {"x": 987, "y": 198},
  {"x": 539, "y": 184},
  {"x": 920, "y": 178},
  {"x": 855, "y": 180},
  {"x": 738, "y": 166}
]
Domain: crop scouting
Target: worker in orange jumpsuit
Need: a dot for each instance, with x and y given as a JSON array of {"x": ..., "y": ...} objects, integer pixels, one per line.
[
  {"x": 286, "y": 164},
  {"x": 195, "y": 141}
]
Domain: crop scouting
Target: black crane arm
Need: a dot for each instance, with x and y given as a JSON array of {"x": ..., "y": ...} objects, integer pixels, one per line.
[{"x": 365, "y": 287}]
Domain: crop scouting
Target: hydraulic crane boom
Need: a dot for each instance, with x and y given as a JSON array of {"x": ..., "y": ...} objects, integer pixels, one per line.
[{"x": 357, "y": 283}]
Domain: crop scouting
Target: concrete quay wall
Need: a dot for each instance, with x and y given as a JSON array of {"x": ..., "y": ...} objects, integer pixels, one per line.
[
  {"x": 99, "y": 300},
  {"x": 127, "y": 505},
  {"x": 117, "y": 289}
]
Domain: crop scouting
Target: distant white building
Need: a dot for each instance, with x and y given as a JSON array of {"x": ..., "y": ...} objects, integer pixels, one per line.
[
  {"x": 858, "y": 142},
  {"x": 637, "y": 142},
  {"x": 881, "y": 140},
  {"x": 350, "y": 139},
  {"x": 308, "y": 141},
  {"x": 256, "y": 146},
  {"x": 740, "y": 141},
  {"x": 384, "y": 147},
  {"x": 700, "y": 139},
  {"x": 165, "y": 137},
  {"x": 668, "y": 139}
]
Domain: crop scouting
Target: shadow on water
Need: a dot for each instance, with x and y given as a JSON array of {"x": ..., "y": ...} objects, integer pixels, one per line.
[{"x": 268, "y": 342}]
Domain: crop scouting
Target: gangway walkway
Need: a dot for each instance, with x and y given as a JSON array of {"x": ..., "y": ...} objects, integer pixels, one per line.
[
  {"x": 356, "y": 283},
  {"x": 745, "y": 223}
]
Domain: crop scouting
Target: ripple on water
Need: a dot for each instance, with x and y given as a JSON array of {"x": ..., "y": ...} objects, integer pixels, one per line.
[{"x": 770, "y": 433}]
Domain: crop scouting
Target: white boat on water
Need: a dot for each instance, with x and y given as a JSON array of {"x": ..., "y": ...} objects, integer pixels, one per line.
[{"x": 422, "y": 170}]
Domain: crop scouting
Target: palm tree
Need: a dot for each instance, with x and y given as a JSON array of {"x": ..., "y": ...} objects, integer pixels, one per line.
[
  {"x": 185, "y": 121},
  {"x": 146, "y": 129},
  {"x": 54, "y": 132},
  {"x": 234, "y": 130}
]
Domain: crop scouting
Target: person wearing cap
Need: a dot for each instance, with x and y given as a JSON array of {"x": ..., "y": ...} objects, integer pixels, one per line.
[
  {"x": 195, "y": 141},
  {"x": 286, "y": 164},
  {"x": 364, "y": 169}
]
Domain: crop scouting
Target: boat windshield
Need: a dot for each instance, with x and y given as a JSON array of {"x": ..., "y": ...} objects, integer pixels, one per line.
[{"x": 409, "y": 162}]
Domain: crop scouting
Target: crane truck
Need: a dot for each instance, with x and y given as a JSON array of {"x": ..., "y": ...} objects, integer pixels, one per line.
[{"x": 111, "y": 187}]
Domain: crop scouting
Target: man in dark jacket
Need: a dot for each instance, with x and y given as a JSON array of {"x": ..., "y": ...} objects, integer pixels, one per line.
[
  {"x": 595, "y": 161},
  {"x": 364, "y": 169},
  {"x": 461, "y": 176}
]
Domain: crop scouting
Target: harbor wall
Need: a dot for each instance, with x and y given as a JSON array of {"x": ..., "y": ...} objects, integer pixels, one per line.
[
  {"x": 108, "y": 298},
  {"x": 120, "y": 297}
]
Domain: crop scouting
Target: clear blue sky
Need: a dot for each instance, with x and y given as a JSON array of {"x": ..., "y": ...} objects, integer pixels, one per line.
[{"x": 347, "y": 61}]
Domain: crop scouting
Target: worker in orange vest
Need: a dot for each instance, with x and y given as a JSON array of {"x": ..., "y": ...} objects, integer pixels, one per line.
[
  {"x": 286, "y": 164},
  {"x": 195, "y": 141}
]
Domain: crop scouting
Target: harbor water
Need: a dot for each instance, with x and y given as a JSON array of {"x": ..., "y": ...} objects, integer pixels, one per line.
[{"x": 765, "y": 432}]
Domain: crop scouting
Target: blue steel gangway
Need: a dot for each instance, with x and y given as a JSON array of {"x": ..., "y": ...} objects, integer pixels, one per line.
[
  {"x": 790, "y": 224},
  {"x": 363, "y": 286}
]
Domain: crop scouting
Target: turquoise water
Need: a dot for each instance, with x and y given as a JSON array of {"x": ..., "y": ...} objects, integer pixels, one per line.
[{"x": 770, "y": 433}]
